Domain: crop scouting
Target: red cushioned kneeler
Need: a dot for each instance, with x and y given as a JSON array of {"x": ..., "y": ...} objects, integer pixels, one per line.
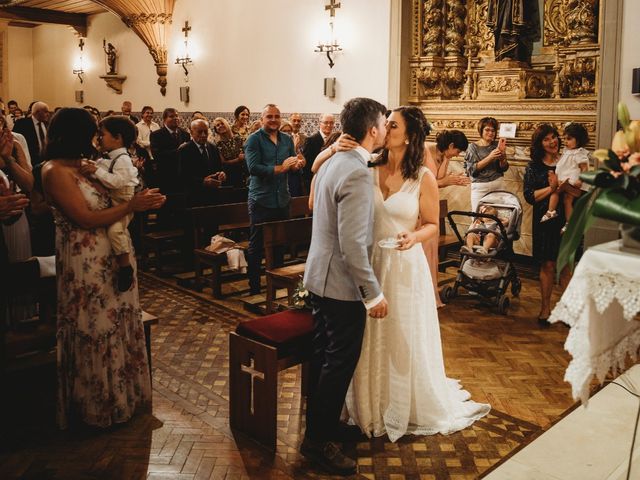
[{"x": 258, "y": 350}]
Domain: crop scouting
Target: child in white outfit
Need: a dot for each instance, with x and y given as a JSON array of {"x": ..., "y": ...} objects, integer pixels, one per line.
[
  {"x": 118, "y": 174},
  {"x": 574, "y": 161}
]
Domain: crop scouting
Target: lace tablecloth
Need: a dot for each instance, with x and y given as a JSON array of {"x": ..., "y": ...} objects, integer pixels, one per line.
[{"x": 600, "y": 305}]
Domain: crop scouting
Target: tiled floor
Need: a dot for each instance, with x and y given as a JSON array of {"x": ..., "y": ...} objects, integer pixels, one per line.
[{"x": 504, "y": 360}]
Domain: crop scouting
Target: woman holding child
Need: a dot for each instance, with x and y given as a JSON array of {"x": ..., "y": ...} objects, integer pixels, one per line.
[{"x": 103, "y": 373}]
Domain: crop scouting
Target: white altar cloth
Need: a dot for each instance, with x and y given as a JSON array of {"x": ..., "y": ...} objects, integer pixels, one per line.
[{"x": 600, "y": 305}]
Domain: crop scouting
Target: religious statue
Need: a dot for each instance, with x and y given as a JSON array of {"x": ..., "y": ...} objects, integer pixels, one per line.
[
  {"x": 112, "y": 54},
  {"x": 516, "y": 26}
]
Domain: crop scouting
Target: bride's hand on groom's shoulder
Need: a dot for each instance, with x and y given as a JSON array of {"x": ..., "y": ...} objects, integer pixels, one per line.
[
  {"x": 345, "y": 143},
  {"x": 406, "y": 240}
]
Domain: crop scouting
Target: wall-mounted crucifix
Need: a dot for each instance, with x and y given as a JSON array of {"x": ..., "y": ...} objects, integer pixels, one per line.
[{"x": 332, "y": 7}]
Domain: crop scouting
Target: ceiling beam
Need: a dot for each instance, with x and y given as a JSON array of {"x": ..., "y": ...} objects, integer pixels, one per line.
[{"x": 78, "y": 21}]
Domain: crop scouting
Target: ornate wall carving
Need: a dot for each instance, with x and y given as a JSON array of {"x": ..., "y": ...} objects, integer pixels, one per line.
[
  {"x": 456, "y": 28},
  {"x": 570, "y": 22},
  {"x": 433, "y": 31}
]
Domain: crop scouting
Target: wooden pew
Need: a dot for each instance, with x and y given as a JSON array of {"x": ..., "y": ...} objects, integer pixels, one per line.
[
  {"x": 163, "y": 230},
  {"x": 282, "y": 235},
  {"x": 147, "y": 320},
  {"x": 208, "y": 221},
  {"x": 299, "y": 207},
  {"x": 445, "y": 241}
]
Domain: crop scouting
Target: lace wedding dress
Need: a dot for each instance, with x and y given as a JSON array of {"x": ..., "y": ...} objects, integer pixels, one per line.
[{"x": 399, "y": 386}]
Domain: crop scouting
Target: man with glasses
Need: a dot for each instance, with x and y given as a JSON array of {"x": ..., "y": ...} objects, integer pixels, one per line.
[
  {"x": 270, "y": 155},
  {"x": 313, "y": 146}
]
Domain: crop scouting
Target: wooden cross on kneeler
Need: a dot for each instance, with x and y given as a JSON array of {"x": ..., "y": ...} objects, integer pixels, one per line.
[
  {"x": 250, "y": 369},
  {"x": 332, "y": 6}
]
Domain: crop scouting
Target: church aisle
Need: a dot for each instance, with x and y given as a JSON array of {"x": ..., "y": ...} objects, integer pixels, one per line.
[{"x": 506, "y": 361}]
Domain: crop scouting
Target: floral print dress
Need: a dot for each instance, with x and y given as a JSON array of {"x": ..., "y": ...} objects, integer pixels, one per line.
[{"x": 103, "y": 373}]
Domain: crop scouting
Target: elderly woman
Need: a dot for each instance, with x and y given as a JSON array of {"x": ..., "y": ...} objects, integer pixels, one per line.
[
  {"x": 241, "y": 124},
  {"x": 231, "y": 154},
  {"x": 103, "y": 373},
  {"x": 485, "y": 162},
  {"x": 540, "y": 181}
]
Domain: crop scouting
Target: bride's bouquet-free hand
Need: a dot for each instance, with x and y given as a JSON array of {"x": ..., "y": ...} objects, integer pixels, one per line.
[{"x": 616, "y": 192}]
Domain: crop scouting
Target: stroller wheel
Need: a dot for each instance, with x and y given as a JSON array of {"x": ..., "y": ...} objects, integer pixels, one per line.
[
  {"x": 446, "y": 294},
  {"x": 503, "y": 304},
  {"x": 516, "y": 286}
]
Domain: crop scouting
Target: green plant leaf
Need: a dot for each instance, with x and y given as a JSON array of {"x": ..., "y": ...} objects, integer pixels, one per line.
[
  {"x": 613, "y": 162},
  {"x": 590, "y": 176},
  {"x": 617, "y": 206},
  {"x": 623, "y": 115},
  {"x": 601, "y": 154},
  {"x": 581, "y": 220},
  {"x": 604, "y": 179}
]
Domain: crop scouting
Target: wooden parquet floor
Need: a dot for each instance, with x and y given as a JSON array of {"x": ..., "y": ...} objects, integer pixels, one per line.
[{"x": 507, "y": 361}]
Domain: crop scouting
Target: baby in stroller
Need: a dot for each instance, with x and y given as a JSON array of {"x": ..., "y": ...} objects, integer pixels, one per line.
[{"x": 484, "y": 233}]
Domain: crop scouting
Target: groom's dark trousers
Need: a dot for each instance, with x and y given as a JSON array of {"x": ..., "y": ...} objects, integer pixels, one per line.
[{"x": 337, "y": 340}]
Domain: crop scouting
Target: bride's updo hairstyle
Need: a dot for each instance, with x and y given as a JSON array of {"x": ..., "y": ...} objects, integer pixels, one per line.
[{"x": 417, "y": 130}]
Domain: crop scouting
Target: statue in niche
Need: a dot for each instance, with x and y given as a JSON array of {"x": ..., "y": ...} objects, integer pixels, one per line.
[
  {"x": 516, "y": 26},
  {"x": 112, "y": 55}
]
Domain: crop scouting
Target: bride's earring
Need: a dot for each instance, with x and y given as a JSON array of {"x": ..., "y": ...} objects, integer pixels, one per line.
[{"x": 406, "y": 142}]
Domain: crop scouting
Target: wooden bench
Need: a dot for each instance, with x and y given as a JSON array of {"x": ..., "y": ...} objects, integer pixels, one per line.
[
  {"x": 147, "y": 320},
  {"x": 208, "y": 221},
  {"x": 280, "y": 235},
  {"x": 445, "y": 241},
  {"x": 163, "y": 230},
  {"x": 258, "y": 350},
  {"x": 299, "y": 207}
]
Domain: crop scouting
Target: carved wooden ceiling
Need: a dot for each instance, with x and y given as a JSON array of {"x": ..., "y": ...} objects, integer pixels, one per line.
[{"x": 149, "y": 19}]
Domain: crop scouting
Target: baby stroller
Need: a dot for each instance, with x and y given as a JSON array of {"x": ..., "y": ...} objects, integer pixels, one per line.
[{"x": 488, "y": 274}]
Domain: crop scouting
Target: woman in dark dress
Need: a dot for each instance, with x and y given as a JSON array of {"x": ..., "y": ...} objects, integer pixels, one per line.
[{"x": 540, "y": 181}]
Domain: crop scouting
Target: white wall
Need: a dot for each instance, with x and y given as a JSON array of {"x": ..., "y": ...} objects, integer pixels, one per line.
[
  {"x": 20, "y": 71},
  {"x": 244, "y": 51},
  {"x": 630, "y": 56}
]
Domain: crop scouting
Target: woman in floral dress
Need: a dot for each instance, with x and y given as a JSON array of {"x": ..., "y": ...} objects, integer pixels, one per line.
[{"x": 103, "y": 373}]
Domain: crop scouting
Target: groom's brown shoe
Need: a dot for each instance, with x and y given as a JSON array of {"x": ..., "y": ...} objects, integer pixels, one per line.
[{"x": 328, "y": 456}]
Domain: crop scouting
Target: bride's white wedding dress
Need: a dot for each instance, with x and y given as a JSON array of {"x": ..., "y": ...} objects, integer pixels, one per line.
[{"x": 399, "y": 386}]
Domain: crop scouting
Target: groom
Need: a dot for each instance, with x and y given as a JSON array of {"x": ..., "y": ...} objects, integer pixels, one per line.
[{"x": 341, "y": 280}]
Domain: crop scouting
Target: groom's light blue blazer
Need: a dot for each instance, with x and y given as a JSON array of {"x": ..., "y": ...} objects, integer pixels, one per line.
[{"x": 338, "y": 264}]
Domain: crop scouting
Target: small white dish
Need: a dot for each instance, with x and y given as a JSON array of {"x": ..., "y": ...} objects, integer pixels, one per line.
[{"x": 389, "y": 242}]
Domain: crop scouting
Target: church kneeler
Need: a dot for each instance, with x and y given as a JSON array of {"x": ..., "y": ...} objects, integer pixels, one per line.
[{"x": 258, "y": 350}]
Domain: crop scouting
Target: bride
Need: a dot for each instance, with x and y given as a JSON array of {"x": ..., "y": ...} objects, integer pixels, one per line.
[{"x": 400, "y": 386}]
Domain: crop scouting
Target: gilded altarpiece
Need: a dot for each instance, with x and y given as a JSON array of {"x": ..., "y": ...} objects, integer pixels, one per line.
[{"x": 455, "y": 80}]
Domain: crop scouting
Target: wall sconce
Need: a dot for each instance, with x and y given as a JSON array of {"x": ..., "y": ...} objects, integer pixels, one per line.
[
  {"x": 331, "y": 47},
  {"x": 186, "y": 59},
  {"x": 79, "y": 68}
]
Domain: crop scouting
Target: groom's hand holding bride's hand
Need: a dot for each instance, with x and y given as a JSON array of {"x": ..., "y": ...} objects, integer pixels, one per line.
[
  {"x": 406, "y": 240},
  {"x": 380, "y": 310}
]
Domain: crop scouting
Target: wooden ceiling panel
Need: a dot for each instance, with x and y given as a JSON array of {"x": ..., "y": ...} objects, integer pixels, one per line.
[{"x": 67, "y": 6}]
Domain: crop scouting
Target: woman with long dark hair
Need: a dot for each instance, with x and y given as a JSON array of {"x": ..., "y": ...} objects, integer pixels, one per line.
[
  {"x": 540, "y": 181},
  {"x": 103, "y": 373}
]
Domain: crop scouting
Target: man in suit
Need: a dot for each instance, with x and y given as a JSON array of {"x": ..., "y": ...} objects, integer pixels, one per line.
[
  {"x": 164, "y": 147},
  {"x": 313, "y": 145},
  {"x": 342, "y": 283},
  {"x": 201, "y": 166},
  {"x": 270, "y": 157},
  {"x": 126, "y": 111},
  {"x": 34, "y": 130}
]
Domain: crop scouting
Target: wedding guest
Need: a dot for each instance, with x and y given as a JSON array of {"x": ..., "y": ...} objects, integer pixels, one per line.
[
  {"x": 145, "y": 127},
  {"x": 241, "y": 124},
  {"x": 485, "y": 161},
  {"x": 574, "y": 161},
  {"x": 298, "y": 137},
  {"x": 448, "y": 144},
  {"x": 126, "y": 111},
  {"x": 231, "y": 153},
  {"x": 270, "y": 156},
  {"x": 164, "y": 149},
  {"x": 34, "y": 129},
  {"x": 103, "y": 373},
  {"x": 540, "y": 181},
  {"x": 313, "y": 145}
]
